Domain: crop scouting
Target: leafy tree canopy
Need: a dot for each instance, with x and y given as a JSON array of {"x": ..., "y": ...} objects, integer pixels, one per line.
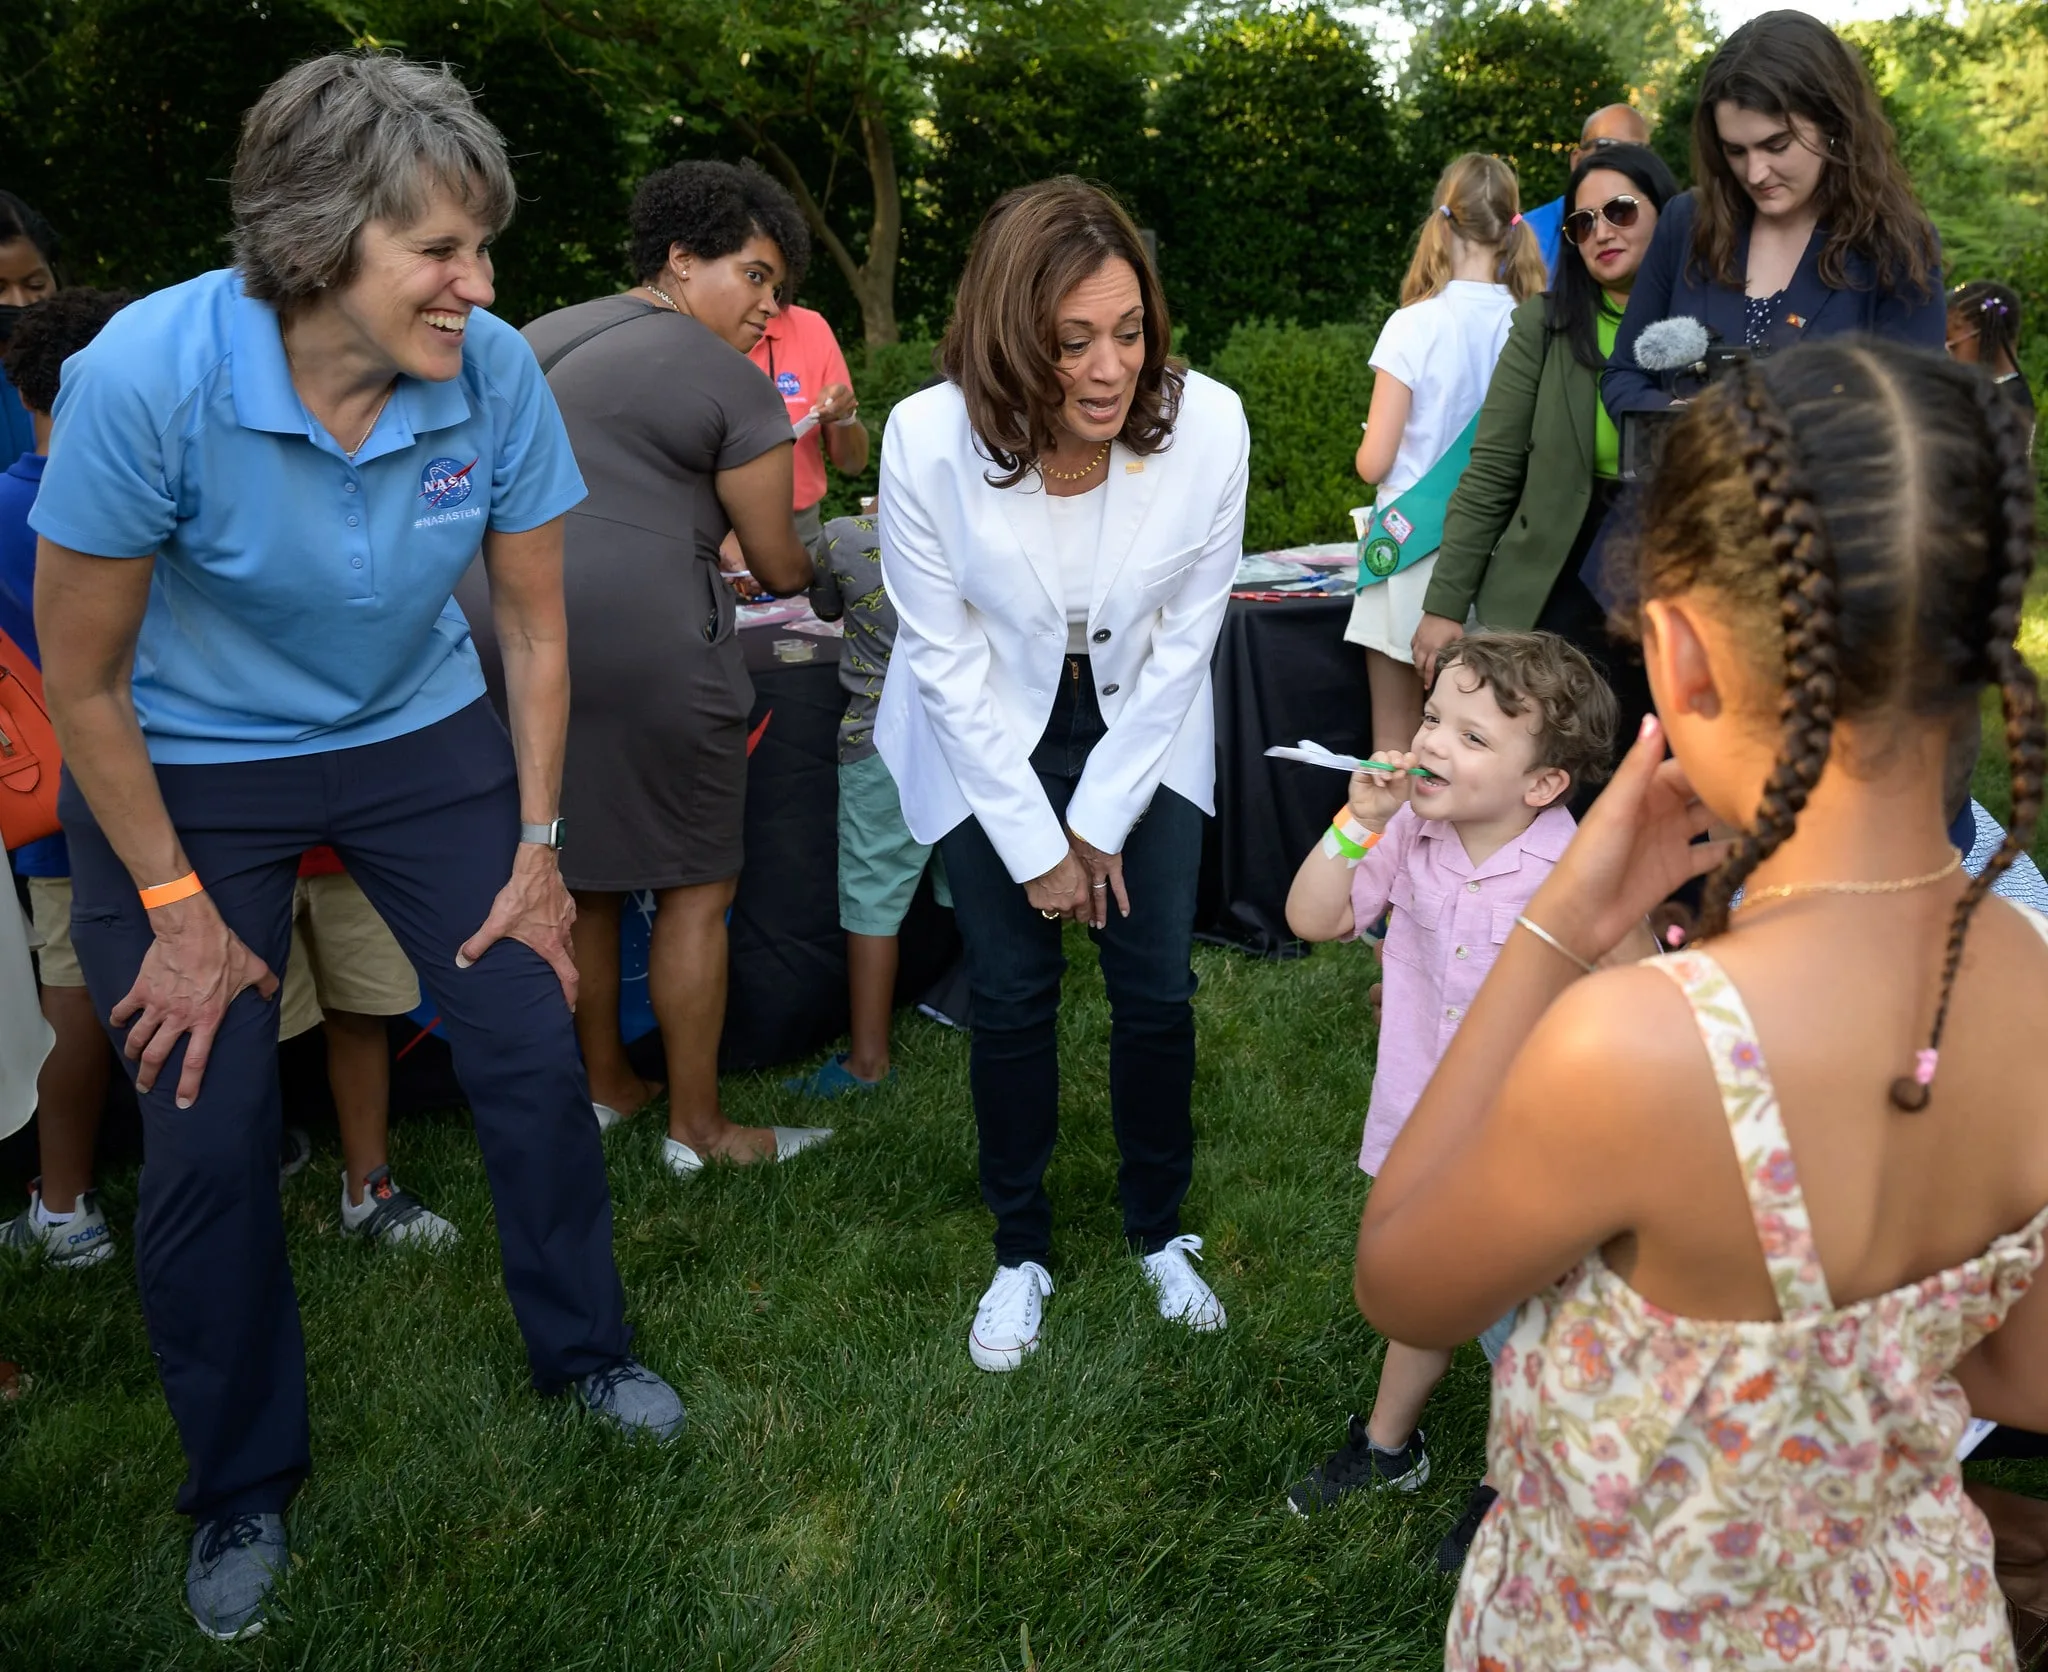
[{"x": 1517, "y": 84}]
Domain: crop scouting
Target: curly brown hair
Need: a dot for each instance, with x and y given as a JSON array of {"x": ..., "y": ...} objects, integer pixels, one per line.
[
  {"x": 1576, "y": 714},
  {"x": 1792, "y": 64},
  {"x": 1002, "y": 344},
  {"x": 1865, "y": 514}
]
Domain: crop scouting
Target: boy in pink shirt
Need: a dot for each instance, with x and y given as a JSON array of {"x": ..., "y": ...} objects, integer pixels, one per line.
[{"x": 1514, "y": 722}]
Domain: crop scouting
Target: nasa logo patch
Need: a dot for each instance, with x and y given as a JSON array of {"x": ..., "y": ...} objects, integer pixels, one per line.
[{"x": 445, "y": 482}]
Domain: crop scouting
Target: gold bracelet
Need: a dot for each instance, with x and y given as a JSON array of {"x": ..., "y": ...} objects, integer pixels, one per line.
[{"x": 1556, "y": 945}]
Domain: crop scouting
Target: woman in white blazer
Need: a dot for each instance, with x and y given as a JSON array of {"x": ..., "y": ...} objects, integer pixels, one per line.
[{"x": 1061, "y": 521}]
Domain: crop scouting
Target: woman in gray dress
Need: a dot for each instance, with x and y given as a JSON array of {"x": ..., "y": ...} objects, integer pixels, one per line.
[{"x": 680, "y": 439}]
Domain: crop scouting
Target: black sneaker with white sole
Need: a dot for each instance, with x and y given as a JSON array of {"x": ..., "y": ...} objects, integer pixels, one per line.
[
  {"x": 1457, "y": 1544},
  {"x": 1360, "y": 1466}
]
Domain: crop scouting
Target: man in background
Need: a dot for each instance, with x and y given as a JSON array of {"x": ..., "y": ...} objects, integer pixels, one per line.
[{"x": 1615, "y": 124}]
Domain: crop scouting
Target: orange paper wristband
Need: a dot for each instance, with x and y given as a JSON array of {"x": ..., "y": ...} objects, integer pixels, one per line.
[{"x": 170, "y": 893}]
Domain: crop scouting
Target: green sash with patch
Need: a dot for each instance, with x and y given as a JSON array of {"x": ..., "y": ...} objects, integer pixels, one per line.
[{"x": 1410, "y": 526}]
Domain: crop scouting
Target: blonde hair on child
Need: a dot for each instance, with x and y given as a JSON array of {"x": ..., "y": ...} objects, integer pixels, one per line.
[{"x": 1479, "y": 199}]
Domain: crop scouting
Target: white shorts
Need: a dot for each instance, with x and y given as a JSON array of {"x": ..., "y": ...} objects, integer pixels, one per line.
[{"x": 1384, "y": 616}]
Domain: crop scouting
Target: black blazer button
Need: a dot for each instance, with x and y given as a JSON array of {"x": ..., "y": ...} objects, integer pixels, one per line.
[
  {"x": 1111, "y": 689},
  {"x": 1102, "y": 635}
]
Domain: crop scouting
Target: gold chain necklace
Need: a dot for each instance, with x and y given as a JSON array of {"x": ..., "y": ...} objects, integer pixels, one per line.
[
  {"x": 349, "y": 453},
  {"x": 1080, "y": 475},
  {"x": 668, "y": 300},
  {"x": 1786, "y": 890}
]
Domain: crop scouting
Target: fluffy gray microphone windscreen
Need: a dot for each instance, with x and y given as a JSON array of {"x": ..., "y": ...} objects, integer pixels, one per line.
[{"x": 1671, "y": 343}]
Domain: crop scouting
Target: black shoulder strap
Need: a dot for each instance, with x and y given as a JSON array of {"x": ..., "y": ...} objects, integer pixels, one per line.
[{"x": 574, "y": 343}]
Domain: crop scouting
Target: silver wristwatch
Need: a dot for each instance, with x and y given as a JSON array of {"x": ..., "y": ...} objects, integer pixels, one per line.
[{"x": 547, "y": 835}]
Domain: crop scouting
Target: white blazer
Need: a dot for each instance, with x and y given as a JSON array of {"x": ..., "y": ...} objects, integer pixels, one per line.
[{"x": 974, "y": 574}]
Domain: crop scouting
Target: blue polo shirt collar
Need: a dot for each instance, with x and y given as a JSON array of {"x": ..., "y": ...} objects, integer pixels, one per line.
[{"x": 261, "y": 379}]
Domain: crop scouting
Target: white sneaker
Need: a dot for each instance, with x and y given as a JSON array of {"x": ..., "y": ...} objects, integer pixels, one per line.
[
  {"x": 1183, "y": 1297},
  {"x": 80, "y": 1239},
  {"x": 388, "y": 1214},
  {"x": 1006, "y": 1323},
  {"x": 685, "y": 1162},
  {"x": 607, "y": 1116}
]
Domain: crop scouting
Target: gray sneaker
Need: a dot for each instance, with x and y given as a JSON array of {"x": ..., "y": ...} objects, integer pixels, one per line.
[
  {"x": 82, "y": 1240},
  {"x": 633, "y": 1399},
  {"x": 392, "y": 1216},
  {"x": 236, "y": 1560}
]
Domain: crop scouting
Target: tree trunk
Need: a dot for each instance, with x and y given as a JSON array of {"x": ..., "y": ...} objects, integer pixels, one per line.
[{"x": 873, "y": 282}]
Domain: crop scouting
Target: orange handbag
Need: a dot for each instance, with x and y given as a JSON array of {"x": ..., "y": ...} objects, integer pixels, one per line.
[{"x": 29, "y": 759}]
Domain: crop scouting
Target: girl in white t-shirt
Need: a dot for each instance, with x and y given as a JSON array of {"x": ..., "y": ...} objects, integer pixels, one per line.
[{"x": 1474, "y": 260}]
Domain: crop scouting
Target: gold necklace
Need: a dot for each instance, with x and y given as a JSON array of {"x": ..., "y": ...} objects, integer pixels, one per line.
[
  {"x": 292, "y": 366},
  {"x": 666, "y": 299},
  {"x": 1786, "y": 890},
  {"x": 381, "y": 405},
  {"x": 1080, "y": 475}
]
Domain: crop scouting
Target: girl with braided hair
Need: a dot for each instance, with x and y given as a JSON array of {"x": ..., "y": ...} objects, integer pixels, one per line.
[{"x": 1726, "y": 1436}]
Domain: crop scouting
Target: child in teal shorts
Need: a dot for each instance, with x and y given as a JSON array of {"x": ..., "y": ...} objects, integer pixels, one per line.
[{"x": 880, "y": 862}]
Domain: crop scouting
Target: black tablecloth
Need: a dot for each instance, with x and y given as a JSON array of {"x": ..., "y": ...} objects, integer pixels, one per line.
[
  {"x": 788, "y": 968},
  {"x": 1282, "y": 673}
]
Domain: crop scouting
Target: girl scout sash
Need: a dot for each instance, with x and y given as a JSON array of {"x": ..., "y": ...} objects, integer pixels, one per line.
[{"x": 1410, "y": 526}]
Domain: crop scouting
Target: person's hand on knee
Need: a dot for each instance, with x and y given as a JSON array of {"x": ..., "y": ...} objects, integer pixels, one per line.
[
  {"x": 192, "y": 972},
  {"x": 533, "y": 907}
]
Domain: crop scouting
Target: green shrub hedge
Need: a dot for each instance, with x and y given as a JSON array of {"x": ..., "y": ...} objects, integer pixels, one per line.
[{"x": 1305, "y": 388}]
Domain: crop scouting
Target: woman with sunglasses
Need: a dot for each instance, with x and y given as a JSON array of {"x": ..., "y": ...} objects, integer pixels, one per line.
[
  {"x": 1546, "y": 456},
  {"x": 1803, "y": 223}
]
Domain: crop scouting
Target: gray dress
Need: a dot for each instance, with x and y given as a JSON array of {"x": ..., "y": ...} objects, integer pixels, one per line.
[{"x": 654, "y": 784}]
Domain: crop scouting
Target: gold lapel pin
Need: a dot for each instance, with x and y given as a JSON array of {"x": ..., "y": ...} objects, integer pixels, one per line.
[
  {"x": 1134, "y": 467},
  {"x": 1796, "y": 321}
]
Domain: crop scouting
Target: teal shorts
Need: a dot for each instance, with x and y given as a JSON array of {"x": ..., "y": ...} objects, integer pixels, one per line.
[{"x": 879, "y": 860}]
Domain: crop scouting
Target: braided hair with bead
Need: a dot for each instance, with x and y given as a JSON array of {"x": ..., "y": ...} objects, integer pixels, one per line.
[
  {"x": 1799, "y": 550},
  {"x": 1867, "y": 511},
  {"x": 2019, "y": 695}
]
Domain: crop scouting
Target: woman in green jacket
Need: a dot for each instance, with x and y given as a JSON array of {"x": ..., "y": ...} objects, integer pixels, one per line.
[{"x": 1546, "y": 458}]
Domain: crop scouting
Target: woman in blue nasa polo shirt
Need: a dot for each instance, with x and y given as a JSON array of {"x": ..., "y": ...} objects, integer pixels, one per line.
[{"x": 263, "y": 486}]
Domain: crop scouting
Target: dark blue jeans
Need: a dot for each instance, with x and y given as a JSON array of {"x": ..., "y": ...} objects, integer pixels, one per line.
[
  {"x": 1014, "y": 967},
  {"x": 427, "y": 824}
]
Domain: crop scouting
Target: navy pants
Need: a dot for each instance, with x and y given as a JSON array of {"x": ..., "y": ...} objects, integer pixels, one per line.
[
  {"x": 1014, "y": 965},
  {"x": 427, "y": 825}
]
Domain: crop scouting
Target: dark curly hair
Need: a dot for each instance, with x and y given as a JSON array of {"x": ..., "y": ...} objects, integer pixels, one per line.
[
  {"x": 1576, "y": 714},
  {"x": 712, "y": 209},
  {"x": 48, "y": 333},
  {"x": 1865, "y": 513}
]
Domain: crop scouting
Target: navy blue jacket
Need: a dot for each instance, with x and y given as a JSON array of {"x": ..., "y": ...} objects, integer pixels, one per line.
[{"x": 1664, "y": 289}]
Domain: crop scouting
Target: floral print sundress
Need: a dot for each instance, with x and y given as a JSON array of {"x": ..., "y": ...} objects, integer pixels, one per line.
[{"x": 1683, "y": 1493}]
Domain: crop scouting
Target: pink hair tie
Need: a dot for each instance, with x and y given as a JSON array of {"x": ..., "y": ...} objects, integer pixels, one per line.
[
  {"x": 1517, "y": 221},
  {"x": 1923, "y": 1066}
]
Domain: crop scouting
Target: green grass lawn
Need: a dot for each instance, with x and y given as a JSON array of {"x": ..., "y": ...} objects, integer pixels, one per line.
[{"x": 851, "y": 1493}]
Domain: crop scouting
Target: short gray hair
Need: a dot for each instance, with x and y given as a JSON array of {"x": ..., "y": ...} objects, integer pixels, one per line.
[{"x": 344, "y": 140}]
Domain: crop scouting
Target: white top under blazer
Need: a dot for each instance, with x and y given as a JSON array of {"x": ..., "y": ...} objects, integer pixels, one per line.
[{"x": 974, "y": 573}]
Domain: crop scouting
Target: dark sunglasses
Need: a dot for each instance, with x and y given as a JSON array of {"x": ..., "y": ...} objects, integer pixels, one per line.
[{"x": 1617, "y": 212}]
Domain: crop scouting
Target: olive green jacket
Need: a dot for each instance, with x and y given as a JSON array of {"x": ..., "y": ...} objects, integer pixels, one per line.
[{"x": 1518, "y": 506}]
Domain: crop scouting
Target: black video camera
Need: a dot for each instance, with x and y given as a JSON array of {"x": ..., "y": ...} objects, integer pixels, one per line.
[{"x": 1644, "y": 433}]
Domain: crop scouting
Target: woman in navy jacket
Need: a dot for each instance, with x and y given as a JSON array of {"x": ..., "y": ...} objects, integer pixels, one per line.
[{"x": 1803, "y": 223}]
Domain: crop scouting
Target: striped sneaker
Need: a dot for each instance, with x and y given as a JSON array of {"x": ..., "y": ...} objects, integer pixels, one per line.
[{"x": 391, "y": 1215}]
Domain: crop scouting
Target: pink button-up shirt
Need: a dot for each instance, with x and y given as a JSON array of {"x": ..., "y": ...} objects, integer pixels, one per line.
[{"x": 1450, "y": 919}]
